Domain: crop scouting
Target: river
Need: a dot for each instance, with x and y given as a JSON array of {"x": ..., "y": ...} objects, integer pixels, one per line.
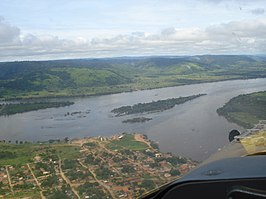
[{"x": 192, "y": 129}]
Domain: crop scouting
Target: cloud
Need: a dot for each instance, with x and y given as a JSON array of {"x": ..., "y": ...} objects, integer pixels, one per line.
[
  {"x": 258, "y": 11},
  {"x": 214, "y": 1},
  {"x": 8, "y": 34},
  {"x": 236, "y": 37}
]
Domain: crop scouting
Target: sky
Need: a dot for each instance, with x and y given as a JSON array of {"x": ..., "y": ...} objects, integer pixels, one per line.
[{"x": 63, "y": 29}]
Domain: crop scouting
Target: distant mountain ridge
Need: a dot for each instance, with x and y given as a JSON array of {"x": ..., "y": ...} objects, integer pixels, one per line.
[{"x": 75, "y": 77}]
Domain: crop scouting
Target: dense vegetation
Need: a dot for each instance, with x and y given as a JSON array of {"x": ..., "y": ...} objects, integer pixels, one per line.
[
  {"x": 9, "y": 109},
  {"x": 245, "y": 110},
  {"x": 7, "y": 155},
  {"x": 159, "y": 105},
  {"x": 29, "y": 79}
]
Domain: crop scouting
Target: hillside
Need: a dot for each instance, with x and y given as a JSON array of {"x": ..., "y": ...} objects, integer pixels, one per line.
[
  {"x": 80, "y": 77},
  {"x": 245, "y": 110}
]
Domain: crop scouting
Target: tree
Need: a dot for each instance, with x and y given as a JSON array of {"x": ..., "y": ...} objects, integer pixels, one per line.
[
  {"x": 7, "y": 155},
  {"x": 174, "y": 172},
  {"x": 148, "y": 184},
  {"x": 66, "y": 139}
]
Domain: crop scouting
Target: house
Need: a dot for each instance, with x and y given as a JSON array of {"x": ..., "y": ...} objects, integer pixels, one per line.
[{"x": 158, "y": 155}]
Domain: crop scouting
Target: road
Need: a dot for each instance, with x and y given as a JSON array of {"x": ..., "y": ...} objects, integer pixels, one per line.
[
  {"x": 139, "y": 137},
  {"x": 9, "y": 180},
  {"x": 131, "y": 161},
  {"x": 67, "y": 180},
  {"x": 37, "y": 182},
  {"x": 96, "y": 179}
]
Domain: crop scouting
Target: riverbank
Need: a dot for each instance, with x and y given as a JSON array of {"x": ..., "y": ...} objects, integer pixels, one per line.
[
  {"x": 47, "y": 95},
  {"x": 70, "y": 78},
  {"x": 245, "y": 110}
]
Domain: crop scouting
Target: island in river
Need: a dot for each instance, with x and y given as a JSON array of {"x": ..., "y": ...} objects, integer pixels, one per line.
[
  {"x": 137, "y": 120},
  {"x": 154, "y": 106},
  {"x": 10, "y": 109}
]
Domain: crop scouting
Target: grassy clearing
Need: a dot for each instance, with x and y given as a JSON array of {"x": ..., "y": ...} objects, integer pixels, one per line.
[
  {"x": 23, "y": 153},
  {"x": 67, "y": 151},
  {"x": 25, "y": 194},
  {"x": 127, "y": 142}
]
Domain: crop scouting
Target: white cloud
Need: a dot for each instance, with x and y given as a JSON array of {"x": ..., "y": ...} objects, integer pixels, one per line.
[
  {"x": 258, "y": 11},
  {"x": 237, "y": 37},
  {"x": 8, "y": 34}
]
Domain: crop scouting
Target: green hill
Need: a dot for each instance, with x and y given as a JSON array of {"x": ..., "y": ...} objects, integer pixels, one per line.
[{"x": 29, "y": 79}]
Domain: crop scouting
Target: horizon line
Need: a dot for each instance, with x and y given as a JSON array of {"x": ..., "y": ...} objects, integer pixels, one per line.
[{"x": 132, "y": 56}]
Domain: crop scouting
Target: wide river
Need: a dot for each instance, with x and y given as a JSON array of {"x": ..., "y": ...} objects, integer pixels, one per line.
[{"x": 192, "y": 129}]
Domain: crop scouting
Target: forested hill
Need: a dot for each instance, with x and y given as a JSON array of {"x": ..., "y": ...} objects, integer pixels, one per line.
[{"x": 78, "y": 77}]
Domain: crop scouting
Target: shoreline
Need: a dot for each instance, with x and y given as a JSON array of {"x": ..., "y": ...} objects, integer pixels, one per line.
[{"x": 111, "y": 93}]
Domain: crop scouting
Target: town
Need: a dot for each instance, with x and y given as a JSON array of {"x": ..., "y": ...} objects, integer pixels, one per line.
[{"x": 121, "y": 166}]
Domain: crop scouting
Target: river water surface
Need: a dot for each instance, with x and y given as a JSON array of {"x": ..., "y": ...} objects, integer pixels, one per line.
[{"x": 192, "y": 129}]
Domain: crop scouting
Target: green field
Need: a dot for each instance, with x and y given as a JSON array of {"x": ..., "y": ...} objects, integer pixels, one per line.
[
  {"x": 25, "y": 194},
  {"x": 18, "y": 154},
  {"x": 22, "y": 153},
  {"x": 245, "y": 110},
  {"x": 127, "y": 142},
  {"x": 67, "y": 151},
  {"x": 41, "y": 79}
]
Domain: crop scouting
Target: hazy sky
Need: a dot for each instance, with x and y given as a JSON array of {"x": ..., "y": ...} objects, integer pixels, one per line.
[{"x": 56, "y": 29}]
